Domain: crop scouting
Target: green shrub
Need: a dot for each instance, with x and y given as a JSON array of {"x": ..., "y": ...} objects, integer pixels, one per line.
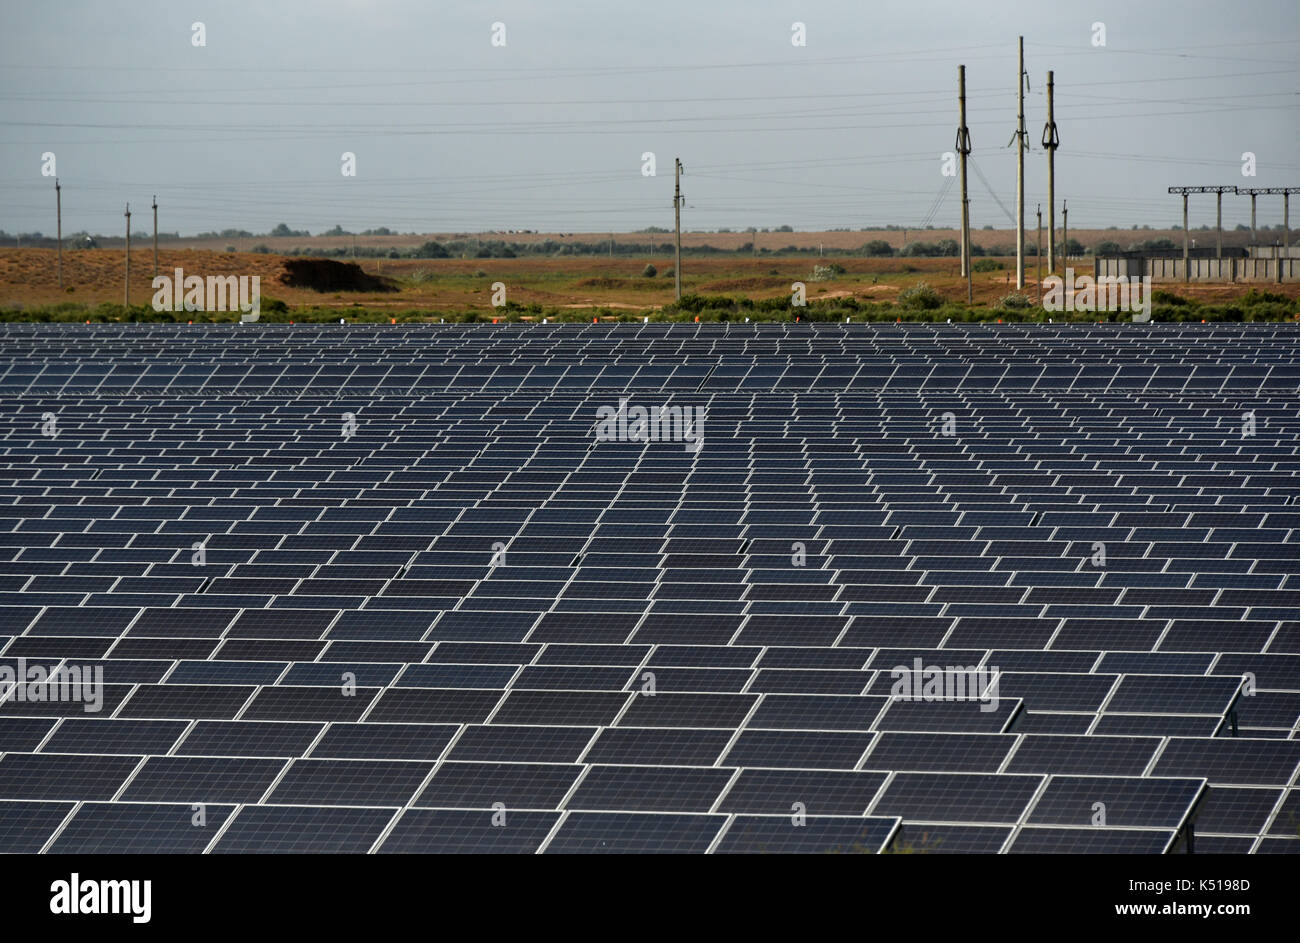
[
  {"x": 431, "y": 250},
  {"x": 649, "y": 272},
  {"x": 987, "y": 265},
  {"x": 1257, "y": 297},
  {"x": 1014, "y": 301},
  {"x": 1162, "y": 297},
  {"x": 920, "y": 296},
  {"x": 919, "y": 249},
  {"x": 826, "y": 273}
]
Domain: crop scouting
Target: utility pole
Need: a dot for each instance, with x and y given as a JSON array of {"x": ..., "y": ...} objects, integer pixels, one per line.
[
  {"x": 1219, "y": 192},
  {"x": 1050, "y": 143},
  {"x": 1065, "y": 231},
  {"x": 1218, "y": 223},
  {"x": 58, "y": 216},
  {"x": 963, "y": 148},
  {"x": 1038, "y": 254},
  {"x": 1286, "y": 208},
  {"x": 155, "y": 236},
  {"x": 128, "y": 254},
  {"x": 1187, "y": 272},
  {"x": 1187, "y": 268},
  {"x": 677, "y": 215},
  {"x": 1022, "y": 145}
]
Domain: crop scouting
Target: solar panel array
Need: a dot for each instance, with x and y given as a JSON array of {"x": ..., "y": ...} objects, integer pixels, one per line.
[{"x": 384, "y": 589}]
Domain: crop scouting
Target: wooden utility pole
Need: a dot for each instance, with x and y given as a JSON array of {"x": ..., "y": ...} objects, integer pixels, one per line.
[
  {"x": 677, "y": 215},
  {"x": 1050, "y": 143},
  {"x": 58, "y": 216},
  {"x": 155, "y": 236},
  {"x": 128, "y": 254},
  {"x": 1022, "y": 145}
]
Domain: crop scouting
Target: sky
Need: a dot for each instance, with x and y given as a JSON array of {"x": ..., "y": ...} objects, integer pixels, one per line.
[{"x": 547, "y": 131}]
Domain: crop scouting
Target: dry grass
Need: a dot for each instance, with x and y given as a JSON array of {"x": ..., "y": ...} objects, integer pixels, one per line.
[{"x": 28, "y": 278}]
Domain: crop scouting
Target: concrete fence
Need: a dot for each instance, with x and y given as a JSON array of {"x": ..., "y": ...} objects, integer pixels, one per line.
[{"x": 1202, "y": 270}]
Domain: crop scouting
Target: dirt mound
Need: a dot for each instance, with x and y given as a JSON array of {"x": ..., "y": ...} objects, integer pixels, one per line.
[{"x": 329, "y": 275}]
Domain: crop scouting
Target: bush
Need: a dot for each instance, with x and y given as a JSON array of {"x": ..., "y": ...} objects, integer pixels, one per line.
[
  {"x": 944, "y": 247},
  {"x": 920, "y": 296},
  {"x": 877, "y": 247},
  {"x": 230, "y": 249},
  {"x": 1107, "y": 248},
  {"x": 1162, "y": 297},
  {"x": 826, "y": 273},
  {"x": 1257, "y": 297},
  {"x": 1014, "y": 302},
  {"x": 262, "y": 248},
  {"x": 987, "y": 265},
  {"x": 431, "y": 250},
  {"x": 649, "y": 272}
]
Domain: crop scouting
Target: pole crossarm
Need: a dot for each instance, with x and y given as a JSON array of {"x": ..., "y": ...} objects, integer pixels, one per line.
[
  {"x": 1284, "y": 191},
  {"x": 1206, "y": 190}
]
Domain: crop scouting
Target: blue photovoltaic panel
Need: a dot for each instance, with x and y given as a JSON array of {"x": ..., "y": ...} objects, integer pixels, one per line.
[{"x": 474, "y": 606}]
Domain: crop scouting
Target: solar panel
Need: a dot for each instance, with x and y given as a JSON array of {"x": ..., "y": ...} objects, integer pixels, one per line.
[
  {"x": 447, "y": 831},
  {"x": 473, "y": 607}
]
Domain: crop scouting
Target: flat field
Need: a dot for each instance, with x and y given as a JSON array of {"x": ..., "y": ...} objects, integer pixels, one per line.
[{"x": 28, "y": 279}]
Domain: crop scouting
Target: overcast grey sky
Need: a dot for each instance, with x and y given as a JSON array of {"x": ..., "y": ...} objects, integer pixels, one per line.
[{"x": 547, "y": 132}]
